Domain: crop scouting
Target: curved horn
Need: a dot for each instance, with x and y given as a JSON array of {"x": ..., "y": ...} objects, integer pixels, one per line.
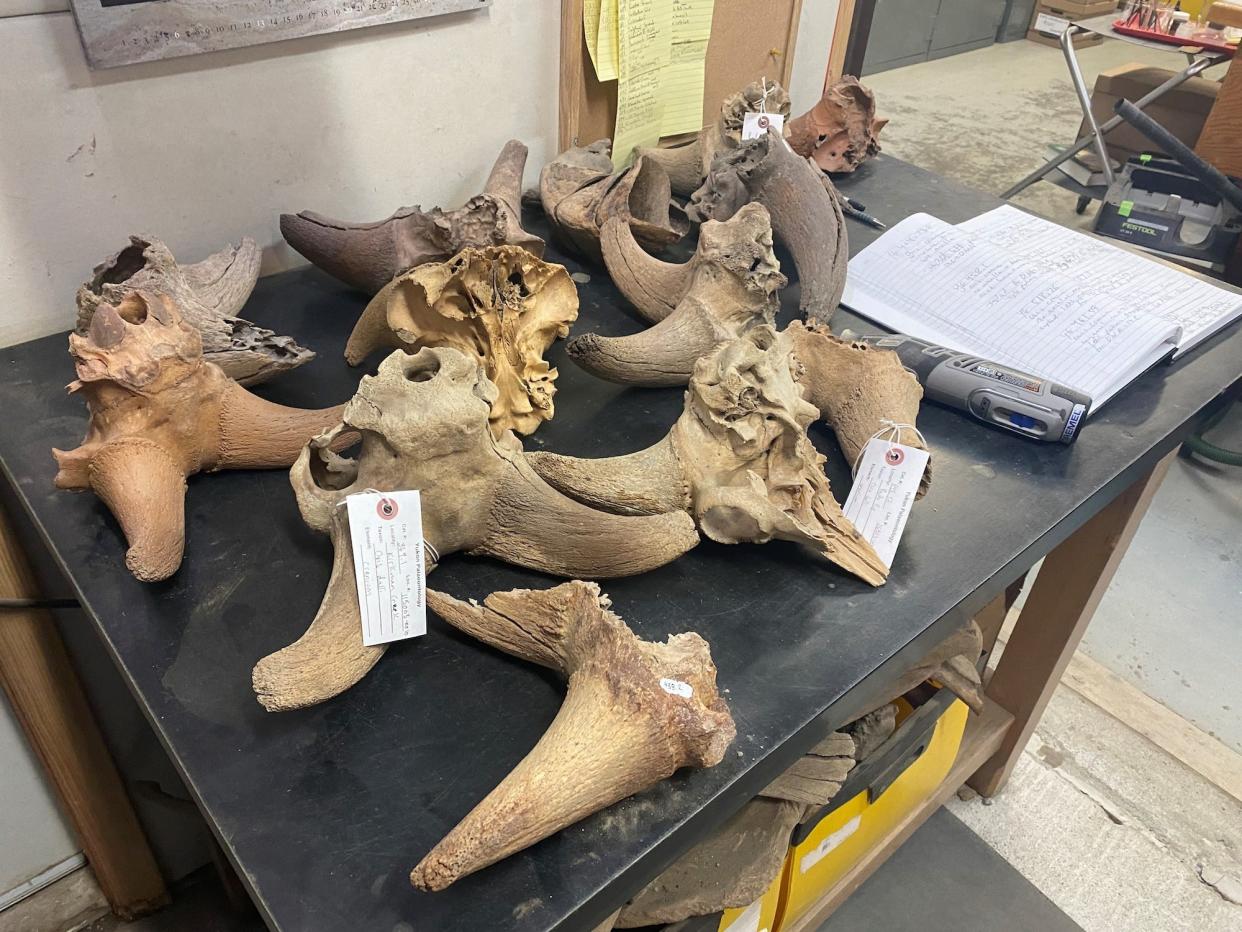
[
  {"x": 260, "y": 434},
  {"x": 683, "y": 164},
  {"x": 223, "y": 281},
  {"x": 652, "y": 286},
  {"x": 144, "y": 488},
  {"x": 363, "y": 255},
  {"x": 533, "y": 525},
  {"x": 649, "y": 482},
  {"x": 505, "y": 180},
  {"x": 619, "y": 730},
  {"x": 330, "y": 657},
  {"x": 372, "y": 332}
]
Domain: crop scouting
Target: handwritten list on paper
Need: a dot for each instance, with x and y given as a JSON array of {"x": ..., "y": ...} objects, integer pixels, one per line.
[
  {"x": 590, "y": 30},
  {"x": 645, "y": 40},
  {"x": 607, "y": 47},
  {"x": 683, "y": 78}
]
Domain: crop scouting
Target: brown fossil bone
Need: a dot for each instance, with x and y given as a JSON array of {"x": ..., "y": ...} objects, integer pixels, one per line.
[
  {"x": 635, "y": 712},
  {"x": 688, "y": 164},
  {"x": 857, "y": 388},
  {"x": 160, "y": 412},
  {"x": 731, "y": 287},
  {"x": 738, "y": 459},
  {"x": 580, "y": 193},
  {"x": 806, "y": 215},
  {"x": 369, "y": 255},
  {"x": 838, "y": 133},
  {"x": 500, "y": 304},
  {"x": 423, "y": 419},
  {"x": 207, "y": 294}
]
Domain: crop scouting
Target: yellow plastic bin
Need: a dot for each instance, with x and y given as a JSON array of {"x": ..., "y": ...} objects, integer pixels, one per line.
[
  {"x": 759, "y": 916},
  {"x": 876, "y": 796}
]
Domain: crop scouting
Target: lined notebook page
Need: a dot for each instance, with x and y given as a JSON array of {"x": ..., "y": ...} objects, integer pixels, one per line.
[
  {"x": 944, "y": 285},
  {"x": 1100, "y": 268}
]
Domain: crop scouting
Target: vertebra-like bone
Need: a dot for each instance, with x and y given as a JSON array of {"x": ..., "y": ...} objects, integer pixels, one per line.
[
  {"x": 424, "y": 425},
  {"x": 839, "y": 132},
  {"x": 208, "y": 295},
  {"x": 158, "y": 413},
  {"x": 738, "y": 459},
  {"x": 499, "y": 304},
  {"x": 370, "y": 255},
  {"x": 802, "y": 202},
  {"x": 634, "y": 713},
  {"x": 580, "y": 193},
  {"x": 687, "y": 165},
  {"x": 732, "y": 283}
]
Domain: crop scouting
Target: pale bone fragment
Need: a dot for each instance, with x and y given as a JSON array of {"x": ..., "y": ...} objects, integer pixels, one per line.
[
  {"x": 870, "y": 731},
  {"x": 369, "y": 255},
  {"x": 731, "y": 286},
  {"x": 838, "y": 133},
  {"x": 423, "y": 419},
  {"x": 860, "y": 391},
  {"x": 687, "y": 165},
  {"x": 738, "y": 459},
  {"x": 952, "y": 663},
  {"x": 806, "y": 215},
  {"x": 635, "y": 712},
  {"x": 580, "y": 193},
  {"x": 159, "y": 412},
  {"x": 499, "y": 304},
  {"x": 208, "y": 295}
]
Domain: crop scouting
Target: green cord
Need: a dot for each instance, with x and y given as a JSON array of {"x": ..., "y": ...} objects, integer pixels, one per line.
[{"x": 1206, "y": 448}]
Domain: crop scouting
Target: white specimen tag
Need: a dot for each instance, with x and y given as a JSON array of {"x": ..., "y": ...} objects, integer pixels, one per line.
[
  {"x": 755, "y": 125},
  {"x": 1046, "y": 22},
  {"x": 883, "y": 493},
  {"x": 676, "y": 687},
  {"x": 387, "y": 532}
]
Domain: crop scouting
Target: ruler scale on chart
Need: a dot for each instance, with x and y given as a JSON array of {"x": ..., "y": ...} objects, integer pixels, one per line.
[{"x": 122, "y": 32}]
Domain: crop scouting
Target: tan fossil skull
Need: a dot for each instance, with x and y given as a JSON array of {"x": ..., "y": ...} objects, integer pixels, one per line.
[
  {"x": 727, "y": 288},
  {"x": 839, "y": 132},
  {"x": 369, "y": 255},
  {"x": 738, "y": 459},
  {"x": 208, "y": 295},
  {"x": 634, "y": 712},
  {"x": 687, "y": 165},
  {"x": 160, "y": 412},
  {"x": 500, "y": 304},
  {"x": 806, "y": 215},
  {"x": 580, "y": 193},
  {"x": 423, "y": 419}
]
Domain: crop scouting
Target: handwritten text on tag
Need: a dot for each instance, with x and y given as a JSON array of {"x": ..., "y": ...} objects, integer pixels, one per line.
[
  {"x": 883, "y": 493},
  {"x": 387, "y": 533},
  {"x": 755, "y": 125}
]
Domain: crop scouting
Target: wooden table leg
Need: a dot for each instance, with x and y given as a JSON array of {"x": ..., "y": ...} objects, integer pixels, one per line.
[
  {"x": 48, "y": 701},
  {"x": 1067, "y": 590}
]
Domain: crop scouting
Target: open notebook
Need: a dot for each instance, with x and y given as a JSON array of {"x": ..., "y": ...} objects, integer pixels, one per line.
[{"x": 1028, "y": 293}]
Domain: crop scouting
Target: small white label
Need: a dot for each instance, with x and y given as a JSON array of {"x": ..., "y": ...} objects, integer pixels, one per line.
[
  {"x": 825, "y": 847},
  {"x": 755, "y": 125},
  {"x": 389, "y": 567},
  {"x": 883, "y": 493},
  {"x": 677, "y": 688},
  {"x": 1046, "y": 22}
]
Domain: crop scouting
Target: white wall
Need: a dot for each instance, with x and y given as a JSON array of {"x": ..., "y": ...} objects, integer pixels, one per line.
[{"x": 815, "y": 31}]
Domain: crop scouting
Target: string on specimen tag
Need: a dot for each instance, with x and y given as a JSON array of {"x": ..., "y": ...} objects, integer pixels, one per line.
[
  {"x": 886, "y": 479},
  {"x": 427, "y": 545},
  {"x": 888, "y": 427},
  {"x": 757, "y": 123}
]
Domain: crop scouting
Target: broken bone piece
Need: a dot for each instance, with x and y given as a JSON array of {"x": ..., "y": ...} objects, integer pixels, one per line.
[
  {"x": 858, "y": 389},
  {"x": 688, "y": 164},
  {"x": 738, "y": 459},
  {"x": 423, "y": 420},
  {"x": 500, "y": 304},
  {"x": 208, "y": 295},
  {"x": 806, "y": 215},
  {"x": 369, "y": 255},
  {"x": 634, "y": 713},
  {"x": 160, "y": 412},
  {"x": 731, "y": 285},
  {"x": 838, "y": 133},
  {"x": 580, "y": 193}
]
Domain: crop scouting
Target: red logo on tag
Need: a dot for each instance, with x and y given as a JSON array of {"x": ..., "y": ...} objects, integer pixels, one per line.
[
  {"x": 895, "y": 456},
  {"x": 764, "y": 122},
  {"x": 386, "y": 508}
]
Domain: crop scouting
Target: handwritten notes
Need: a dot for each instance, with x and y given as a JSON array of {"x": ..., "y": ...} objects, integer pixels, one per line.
[
  {"x": 607, "y": 46},
  {"x": 683, "y": 78},
  {"x": 590, "y": 30}
]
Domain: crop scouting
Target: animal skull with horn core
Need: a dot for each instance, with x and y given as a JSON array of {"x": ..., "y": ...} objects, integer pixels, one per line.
[
  {"x": 687, "y": 165},
  {"x": 738, "y": 459},
  {"x": 839, "y": 132},
  {"x": 580, "y": 193},
  {"x": 620, "y": 730},
  {"x": 160, "y": 412},
  {"x": 208, "y": 295},
  {"x": 806, "y": 215},
  {"x": 424, "y": 425},
  {"x": 500, "y": 304},
  {"x": 727, "y": 288},
  {"x": 369, "y": 255}
]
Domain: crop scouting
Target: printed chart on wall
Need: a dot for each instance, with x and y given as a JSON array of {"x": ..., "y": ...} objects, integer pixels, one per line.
[
  {"x": 122, "y": 32},
  {"x": 656, "y": 51}
]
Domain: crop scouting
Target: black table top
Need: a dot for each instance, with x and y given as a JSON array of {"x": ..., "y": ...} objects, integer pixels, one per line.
[{"x": 325, "y": 810}]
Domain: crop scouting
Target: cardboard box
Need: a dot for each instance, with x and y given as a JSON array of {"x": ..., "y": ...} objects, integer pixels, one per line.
[
  {"x": 1182, "y": 111},
  {"x": 1077, "y": 9}
]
